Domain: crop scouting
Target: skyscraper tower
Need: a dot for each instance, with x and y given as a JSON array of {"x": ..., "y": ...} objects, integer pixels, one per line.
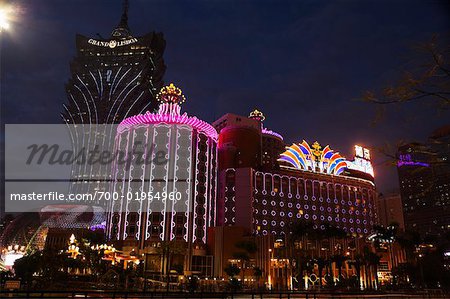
[
  {"x": 116, "y": 77},
  {"x": 112, "y": 78}
]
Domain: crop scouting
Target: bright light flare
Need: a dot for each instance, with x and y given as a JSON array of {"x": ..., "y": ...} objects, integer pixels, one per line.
[
  {"x": 8, "y": 15},
  {"x": 4, "y": 19}
]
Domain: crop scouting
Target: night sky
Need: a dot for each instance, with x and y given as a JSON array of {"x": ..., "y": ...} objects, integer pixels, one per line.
[{"x": 303, "y": 63}]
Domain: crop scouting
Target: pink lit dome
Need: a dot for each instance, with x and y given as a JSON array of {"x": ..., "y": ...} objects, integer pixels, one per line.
[{"x": 170, "y": 98}]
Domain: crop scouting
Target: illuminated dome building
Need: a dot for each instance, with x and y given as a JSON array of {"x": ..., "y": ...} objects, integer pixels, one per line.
[{"x": 177, "y": 180}]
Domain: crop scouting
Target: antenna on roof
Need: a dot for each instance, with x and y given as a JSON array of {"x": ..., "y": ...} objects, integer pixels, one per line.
[{"x": 122, "y": 30}]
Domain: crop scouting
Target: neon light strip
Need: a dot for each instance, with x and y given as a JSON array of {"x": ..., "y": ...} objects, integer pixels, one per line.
[
  {"x": 174, "y": 182},
  {"x": 150, "y": 188},
  {"x": 101, "y": 83},
  {"x": 121, "y": 202},
  {"x": 141, "y": 189},
  {"x": 90, "y": 124},
  {"x": 166, "y": 187},
  {"x": 326, "y": 174},
  {"x": 129, "y": 187},
  {"x": 411, "y": 163},
  {"x": 126, "y": 95},
  {"x": 215, "y": 186},
  {"x": 269, "y": 132},
  {"x": 188, "y": 200},
  {"x": 169, "y": 118},
  {"x": 194, "y": 224},
  {"x": 207, "y": 196}
]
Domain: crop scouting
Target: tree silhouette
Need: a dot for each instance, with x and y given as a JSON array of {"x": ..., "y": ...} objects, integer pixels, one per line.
[
  {"x": 247, "y": 248},
  {"x": 427, "y": 78}
]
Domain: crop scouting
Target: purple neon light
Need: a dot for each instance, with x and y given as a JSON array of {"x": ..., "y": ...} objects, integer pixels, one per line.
[
  {"x": 101, "y": 226},
  {"x": 411, "y": 163},
  {"x": 406, "y": 160},
  {"x": 169, "y": 114},
  {"x": 269, "y": 132}
]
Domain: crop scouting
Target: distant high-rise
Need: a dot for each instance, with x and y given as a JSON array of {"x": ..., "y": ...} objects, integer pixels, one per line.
[
  {"x": 390, "y": 210},
  {"x": 116, "y": 77},
  {"x": 112, "y": 78},
  {"x": 424, "y": 174}
]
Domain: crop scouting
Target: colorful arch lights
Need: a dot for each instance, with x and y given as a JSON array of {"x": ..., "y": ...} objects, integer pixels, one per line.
[{"x": 302, "y": 156}]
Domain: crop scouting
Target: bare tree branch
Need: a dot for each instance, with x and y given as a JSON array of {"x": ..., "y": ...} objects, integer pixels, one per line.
[{"x": 429, "y": 81}]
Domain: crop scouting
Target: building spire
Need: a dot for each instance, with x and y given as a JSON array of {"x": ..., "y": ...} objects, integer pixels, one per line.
[
  {"x": 124, "y": 18},
  {"x": 122, "y": 30}
]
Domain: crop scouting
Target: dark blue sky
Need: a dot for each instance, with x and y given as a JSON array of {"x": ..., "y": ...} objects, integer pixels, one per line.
[{"x": 303, "y": 63}]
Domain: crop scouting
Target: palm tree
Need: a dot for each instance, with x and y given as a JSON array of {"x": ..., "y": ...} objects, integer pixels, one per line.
[
  {"x": 373, "y": 260},
  {"x": 321, "y": 263},
  {"x": 243, "y": 258},
  {"x": 257, "y": 272},
  {"x": 357, "y": 263},
  {"x": 168, "y": 250},
  {"x": 385, "y": 237},
  {"x": 339, "y": 261},
  {"x": 333, "y": 233},
  {"x": 300, "y": 230},
  {"x": 232, "y": 271},
  {"x": 27, "y": 265},
  {"x": 247, "y": 249},
  {"x": 408, "y": 241}
]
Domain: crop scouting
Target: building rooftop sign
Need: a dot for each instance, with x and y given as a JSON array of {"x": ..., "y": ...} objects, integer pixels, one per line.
[{"x": 314, "y": 158}]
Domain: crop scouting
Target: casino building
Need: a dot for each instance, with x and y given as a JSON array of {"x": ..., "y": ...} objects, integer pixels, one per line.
[
  {"x": 266, "y": 191},
  {"x": 112, "y": 78},
  {"x": 167, "y": 192},
  {"x": 266, "y": 187}
]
